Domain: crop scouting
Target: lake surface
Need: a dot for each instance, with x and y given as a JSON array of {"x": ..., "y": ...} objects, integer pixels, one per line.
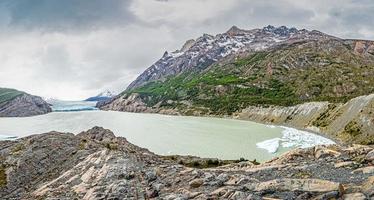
[{"x": 167, "y": 135}]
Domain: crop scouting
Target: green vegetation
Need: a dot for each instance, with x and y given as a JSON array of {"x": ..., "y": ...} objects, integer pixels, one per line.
[
  {"x": 3, "y": 177},
  {"x": 8, "y": 94},
  {"x": 353, "y": 129},
  {"x": 82, "y": 144},
  {"x": 323, "y": 119},
  {"x": 353, "y": 133},
  {"x": 112, "y": 146},
  {"x": 293, "y": 74}
]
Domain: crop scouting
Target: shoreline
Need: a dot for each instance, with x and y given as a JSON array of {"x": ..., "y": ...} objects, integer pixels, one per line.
[
  {"x": 244, "y": 120},
  {"x": 299, "y": 141}
]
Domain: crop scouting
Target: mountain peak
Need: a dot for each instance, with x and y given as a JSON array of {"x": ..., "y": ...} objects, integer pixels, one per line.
[
  {"x": 106, "y": 93},
  {"x": 166, "y": 53},
  {"x": 281, "y": 30},
  {"x": 187, "y": 45},
  {"x": 208, "y": 48},
  {"x": 234, "y": 30}
]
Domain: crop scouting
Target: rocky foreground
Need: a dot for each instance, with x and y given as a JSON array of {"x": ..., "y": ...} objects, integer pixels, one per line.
[{"x": 97, "y": 165}]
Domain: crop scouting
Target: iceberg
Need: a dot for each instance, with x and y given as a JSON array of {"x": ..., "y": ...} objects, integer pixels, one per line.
[
  {"x": 303, "y": 139},
  {"x": 293, "y": 138},
  {"x": 271, "y": 145}
]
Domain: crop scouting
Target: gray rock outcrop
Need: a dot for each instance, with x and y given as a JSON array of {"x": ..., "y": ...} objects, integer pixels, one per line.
[
  {"x": 24, "y": 105},
  {"x": 97, "y": 165}
]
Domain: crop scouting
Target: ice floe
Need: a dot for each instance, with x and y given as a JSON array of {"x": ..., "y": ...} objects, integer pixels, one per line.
[{"x": 293, "y": 138}]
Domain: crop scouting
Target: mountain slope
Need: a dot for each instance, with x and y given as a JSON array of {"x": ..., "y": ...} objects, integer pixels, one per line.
[
  {"x": 198, "y": 54},
  {"x": 226, "y": 73},
  {"x": 14, "y": 103}
]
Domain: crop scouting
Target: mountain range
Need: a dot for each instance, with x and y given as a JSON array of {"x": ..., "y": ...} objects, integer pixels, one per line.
[{"x": 225, "y": 74}]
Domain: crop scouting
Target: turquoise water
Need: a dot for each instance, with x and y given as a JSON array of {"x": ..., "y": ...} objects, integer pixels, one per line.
[
  {"x": 167, "y": 135},
  {"x": 70, "y": 106}
]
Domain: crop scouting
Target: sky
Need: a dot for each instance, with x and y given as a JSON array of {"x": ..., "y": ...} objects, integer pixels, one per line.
[{"x": 74, "y": 49}]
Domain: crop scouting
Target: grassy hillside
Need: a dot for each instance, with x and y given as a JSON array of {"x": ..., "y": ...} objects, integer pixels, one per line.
[
  {"x": 7, "y": 94},
  {"x": 307, "y": 71}
]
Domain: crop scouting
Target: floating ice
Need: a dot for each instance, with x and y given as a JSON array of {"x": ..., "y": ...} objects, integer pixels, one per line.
[
  {"x": 303, "y": 139},
  {"x": 271, "y": 145},
  {"x": 293, "y": 138},
  {"x": 270, "y": 126}
]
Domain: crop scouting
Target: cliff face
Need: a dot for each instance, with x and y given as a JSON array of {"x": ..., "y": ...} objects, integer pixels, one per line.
[
  {"x": 97, "y": 165},
  {"x": 24, "y": 105},
  {"x": 350, "y": 122}
]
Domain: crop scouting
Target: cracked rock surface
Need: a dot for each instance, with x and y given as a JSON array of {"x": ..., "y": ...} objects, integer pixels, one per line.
[{"x": 96, "y": 164}]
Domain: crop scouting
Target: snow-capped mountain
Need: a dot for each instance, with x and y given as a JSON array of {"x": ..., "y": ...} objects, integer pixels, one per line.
[
  {"x": 105, "y": 95},
  {"x": 207, "y": 49}
]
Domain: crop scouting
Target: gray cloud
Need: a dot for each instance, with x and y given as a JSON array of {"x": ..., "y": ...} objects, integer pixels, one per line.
[
  {"x": 72, "y": 49},
  {"x": 64, "y": 15}
]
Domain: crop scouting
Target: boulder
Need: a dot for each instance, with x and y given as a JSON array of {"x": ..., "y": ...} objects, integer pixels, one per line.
[
  {"x": 370, "y": 156},
  {"x": 364, "y": 170},
  {"x": 368, "y": 186},
  {"x": 196, "y": 183},
  {"x": 343, "y": 164},
  {"x": 323, "y": 152}
]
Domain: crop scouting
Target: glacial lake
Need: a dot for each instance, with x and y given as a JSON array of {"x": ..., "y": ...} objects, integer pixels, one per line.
[{"x": 169, "y": 135}]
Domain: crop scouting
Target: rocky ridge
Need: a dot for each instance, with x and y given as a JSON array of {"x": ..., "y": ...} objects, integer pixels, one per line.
[
  {"x": 200, "y": 53},
  {"x": 97, "y": 165},
  {"x": 22, "y": 104}
]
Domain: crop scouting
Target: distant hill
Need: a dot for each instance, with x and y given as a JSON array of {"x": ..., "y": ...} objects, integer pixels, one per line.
[
  {"x": 7, "y": 94},
  {"x": 14, "y": 103}
]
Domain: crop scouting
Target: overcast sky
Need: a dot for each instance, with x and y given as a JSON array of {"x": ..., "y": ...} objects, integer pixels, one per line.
[{"x": 73, "y": 49}]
